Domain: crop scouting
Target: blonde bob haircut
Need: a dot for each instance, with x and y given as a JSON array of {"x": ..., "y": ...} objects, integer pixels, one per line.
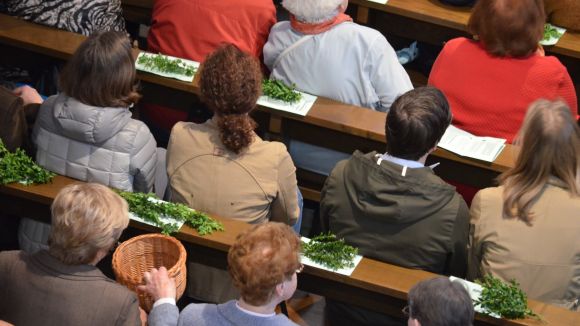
[
  {"x": 86, "y": 218},
  {"x": 549, "y": 143},
  {"x": 312, "y": 11},
  {"x": 261, "y": 258}
]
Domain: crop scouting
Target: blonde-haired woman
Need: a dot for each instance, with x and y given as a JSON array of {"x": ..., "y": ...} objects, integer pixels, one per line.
[
  {"x": 528, "y": 228},
  {"x": 63, "y": 286}
]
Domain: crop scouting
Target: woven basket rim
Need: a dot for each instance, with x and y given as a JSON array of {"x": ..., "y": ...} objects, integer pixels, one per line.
[{"x": 180, "y": 261}]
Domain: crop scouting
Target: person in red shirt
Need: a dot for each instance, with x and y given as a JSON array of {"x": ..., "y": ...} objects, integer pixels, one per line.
[
  {"x": 491, "y": 82},
  {"x": 192, "y": 29}
]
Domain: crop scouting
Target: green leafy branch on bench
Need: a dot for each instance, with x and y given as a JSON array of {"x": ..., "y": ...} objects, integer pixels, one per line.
[
  {"x": 504, "y": 299},
  {"x": 19, "y": 167},
  {"x": 326, "y": 249},
  {"x": 143, "y": 206},
  {"x": 276, "y": 89},
  {"x": 164, "y": 64}
]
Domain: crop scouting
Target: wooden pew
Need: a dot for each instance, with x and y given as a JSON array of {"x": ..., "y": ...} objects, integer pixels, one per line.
[
  {"x": 329, "y": 123},
  {"x": 374, "y": 285},
  {"x": 435, "y": 13}
]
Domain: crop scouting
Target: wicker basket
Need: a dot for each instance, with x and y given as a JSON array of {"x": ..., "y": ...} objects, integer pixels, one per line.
[{"x": 138, "y": 255}]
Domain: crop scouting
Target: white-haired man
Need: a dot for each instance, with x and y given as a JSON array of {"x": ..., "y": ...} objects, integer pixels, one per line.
[{"x": 324, "y": 53}]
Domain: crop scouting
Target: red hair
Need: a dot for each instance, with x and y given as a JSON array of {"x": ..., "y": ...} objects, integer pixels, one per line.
[{"x": 261, "y": 258}]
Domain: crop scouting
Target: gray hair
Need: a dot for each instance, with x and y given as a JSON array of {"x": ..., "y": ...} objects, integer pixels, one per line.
[{"x": 312, "y": 11}]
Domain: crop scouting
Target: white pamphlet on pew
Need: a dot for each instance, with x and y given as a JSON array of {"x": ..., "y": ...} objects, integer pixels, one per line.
[
  {"x": 379, "y": 1},
  {"x": 301, "y": 107},
  {"x": 344, "y": 271},
  {"x": 183, "y": 63},
  {"x": 474, "y": 291},
  {"x": 465, "y": 144},
  {"x": 164, "y": 219}
]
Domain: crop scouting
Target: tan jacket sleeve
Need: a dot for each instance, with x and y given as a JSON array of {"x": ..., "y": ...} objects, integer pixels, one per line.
[
  {"x": 285, "y": 206},
  {"x": 474, "y": 246}
]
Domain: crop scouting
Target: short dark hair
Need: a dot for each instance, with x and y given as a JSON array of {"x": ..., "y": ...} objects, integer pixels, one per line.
[
  {"x": 508, "y": 27},
  {"x": 440, "y": 302},
  {"x": 416, "y": 122},
  {"x": 101, "y": 72}
]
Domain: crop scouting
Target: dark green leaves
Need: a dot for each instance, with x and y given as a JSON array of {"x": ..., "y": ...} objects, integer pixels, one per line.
[
  {"x": 550, "y": 32},
  {"x": 141, "y": 205},
  {"x": 280, "y": 91},
  {"x": 326, "y": 249},
  {"x": 505, "y": 299},
  {"x": 164, "y": 64},
  {"x": 19, "y": 167}
]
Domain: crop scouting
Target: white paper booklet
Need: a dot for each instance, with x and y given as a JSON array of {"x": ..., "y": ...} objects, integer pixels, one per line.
[
  {"x": 344, "y": 271},
  {"x": 301, "y": 107},
  {"x": 465, "y": 144},
  {"x": 164, "y": 219},
  {"x": 474, "y": 291},
  {"x": 379, "y": 1},
  {"x": 184, "y": 63}
]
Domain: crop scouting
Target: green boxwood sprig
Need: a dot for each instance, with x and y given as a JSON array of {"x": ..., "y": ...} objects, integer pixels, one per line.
[
  {"x": 276, "y": 89},
  {"x": 326, "y": 249},
  {"x": 165, "y": 64},
  {"x": 504, "y": 299},
  {"x": 19, "y": 167},
  {"x": 152, "y": 210}
]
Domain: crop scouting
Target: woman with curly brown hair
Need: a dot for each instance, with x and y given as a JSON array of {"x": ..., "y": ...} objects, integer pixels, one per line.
[{"x": 221, "y": 166}]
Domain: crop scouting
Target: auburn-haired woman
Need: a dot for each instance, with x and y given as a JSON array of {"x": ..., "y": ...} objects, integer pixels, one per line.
[
  {"x": 527, "y": 229},
  {"x": 263, "y": 263},
  {"x": 222, "y": 167},
  {"x": 490, "y": 82},
  {"x": 86, "y": 132}
]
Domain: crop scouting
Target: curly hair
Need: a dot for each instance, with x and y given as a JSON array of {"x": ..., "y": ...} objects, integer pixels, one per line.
[
  {"x": 231, "y": 82},
  {"x": 261, "y": 258}
]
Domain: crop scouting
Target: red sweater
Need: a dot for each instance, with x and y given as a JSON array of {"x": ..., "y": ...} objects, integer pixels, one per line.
[
  {"x": 192, "y": 29},
  {"x": 489, "y": 95}
]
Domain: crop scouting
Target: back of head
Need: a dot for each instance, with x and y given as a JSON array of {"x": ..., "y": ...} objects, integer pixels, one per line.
[
  {"x": 86, "y": 218},
  {"x": 231, "y": 82},
  {"x": 416, "y": 122},
  {"x": 262, "y": 257},
  {"x": 549, "y": 143},
  {"x": 101, "y": 72},
  {"x": 440, "y": 302},
  {"x": 508, "y": 27},
  {"x": 312, "y": 11}
]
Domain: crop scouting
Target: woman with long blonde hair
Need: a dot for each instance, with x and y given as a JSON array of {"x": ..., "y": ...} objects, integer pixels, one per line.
[{"x": 528, "y": 228}]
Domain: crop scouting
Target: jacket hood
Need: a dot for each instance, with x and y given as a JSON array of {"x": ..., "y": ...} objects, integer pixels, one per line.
[
  {"x": 382, "y": 192},
  {"x": 89, "y": 124}
]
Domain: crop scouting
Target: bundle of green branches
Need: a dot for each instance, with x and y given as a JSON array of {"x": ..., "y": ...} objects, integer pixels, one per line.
[
  {"x": 278, "y": 90},
  {"x": 504, "y": 299},
  {"x": 19, "y": 167},
  {"x": 326, "y": 249},
  {"x": 550, "y": 32},
  {"x": 164, "y": 64},
  {"x": 149, "y": 207}
]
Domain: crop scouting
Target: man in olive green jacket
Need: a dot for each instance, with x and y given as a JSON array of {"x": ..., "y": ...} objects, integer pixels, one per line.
[{"x": 393, "y": 208}]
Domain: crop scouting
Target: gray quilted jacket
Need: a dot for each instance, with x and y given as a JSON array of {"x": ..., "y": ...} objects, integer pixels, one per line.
[
  {"x": 88, "y": 143},
  {"x": 95, "y": 144}
]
